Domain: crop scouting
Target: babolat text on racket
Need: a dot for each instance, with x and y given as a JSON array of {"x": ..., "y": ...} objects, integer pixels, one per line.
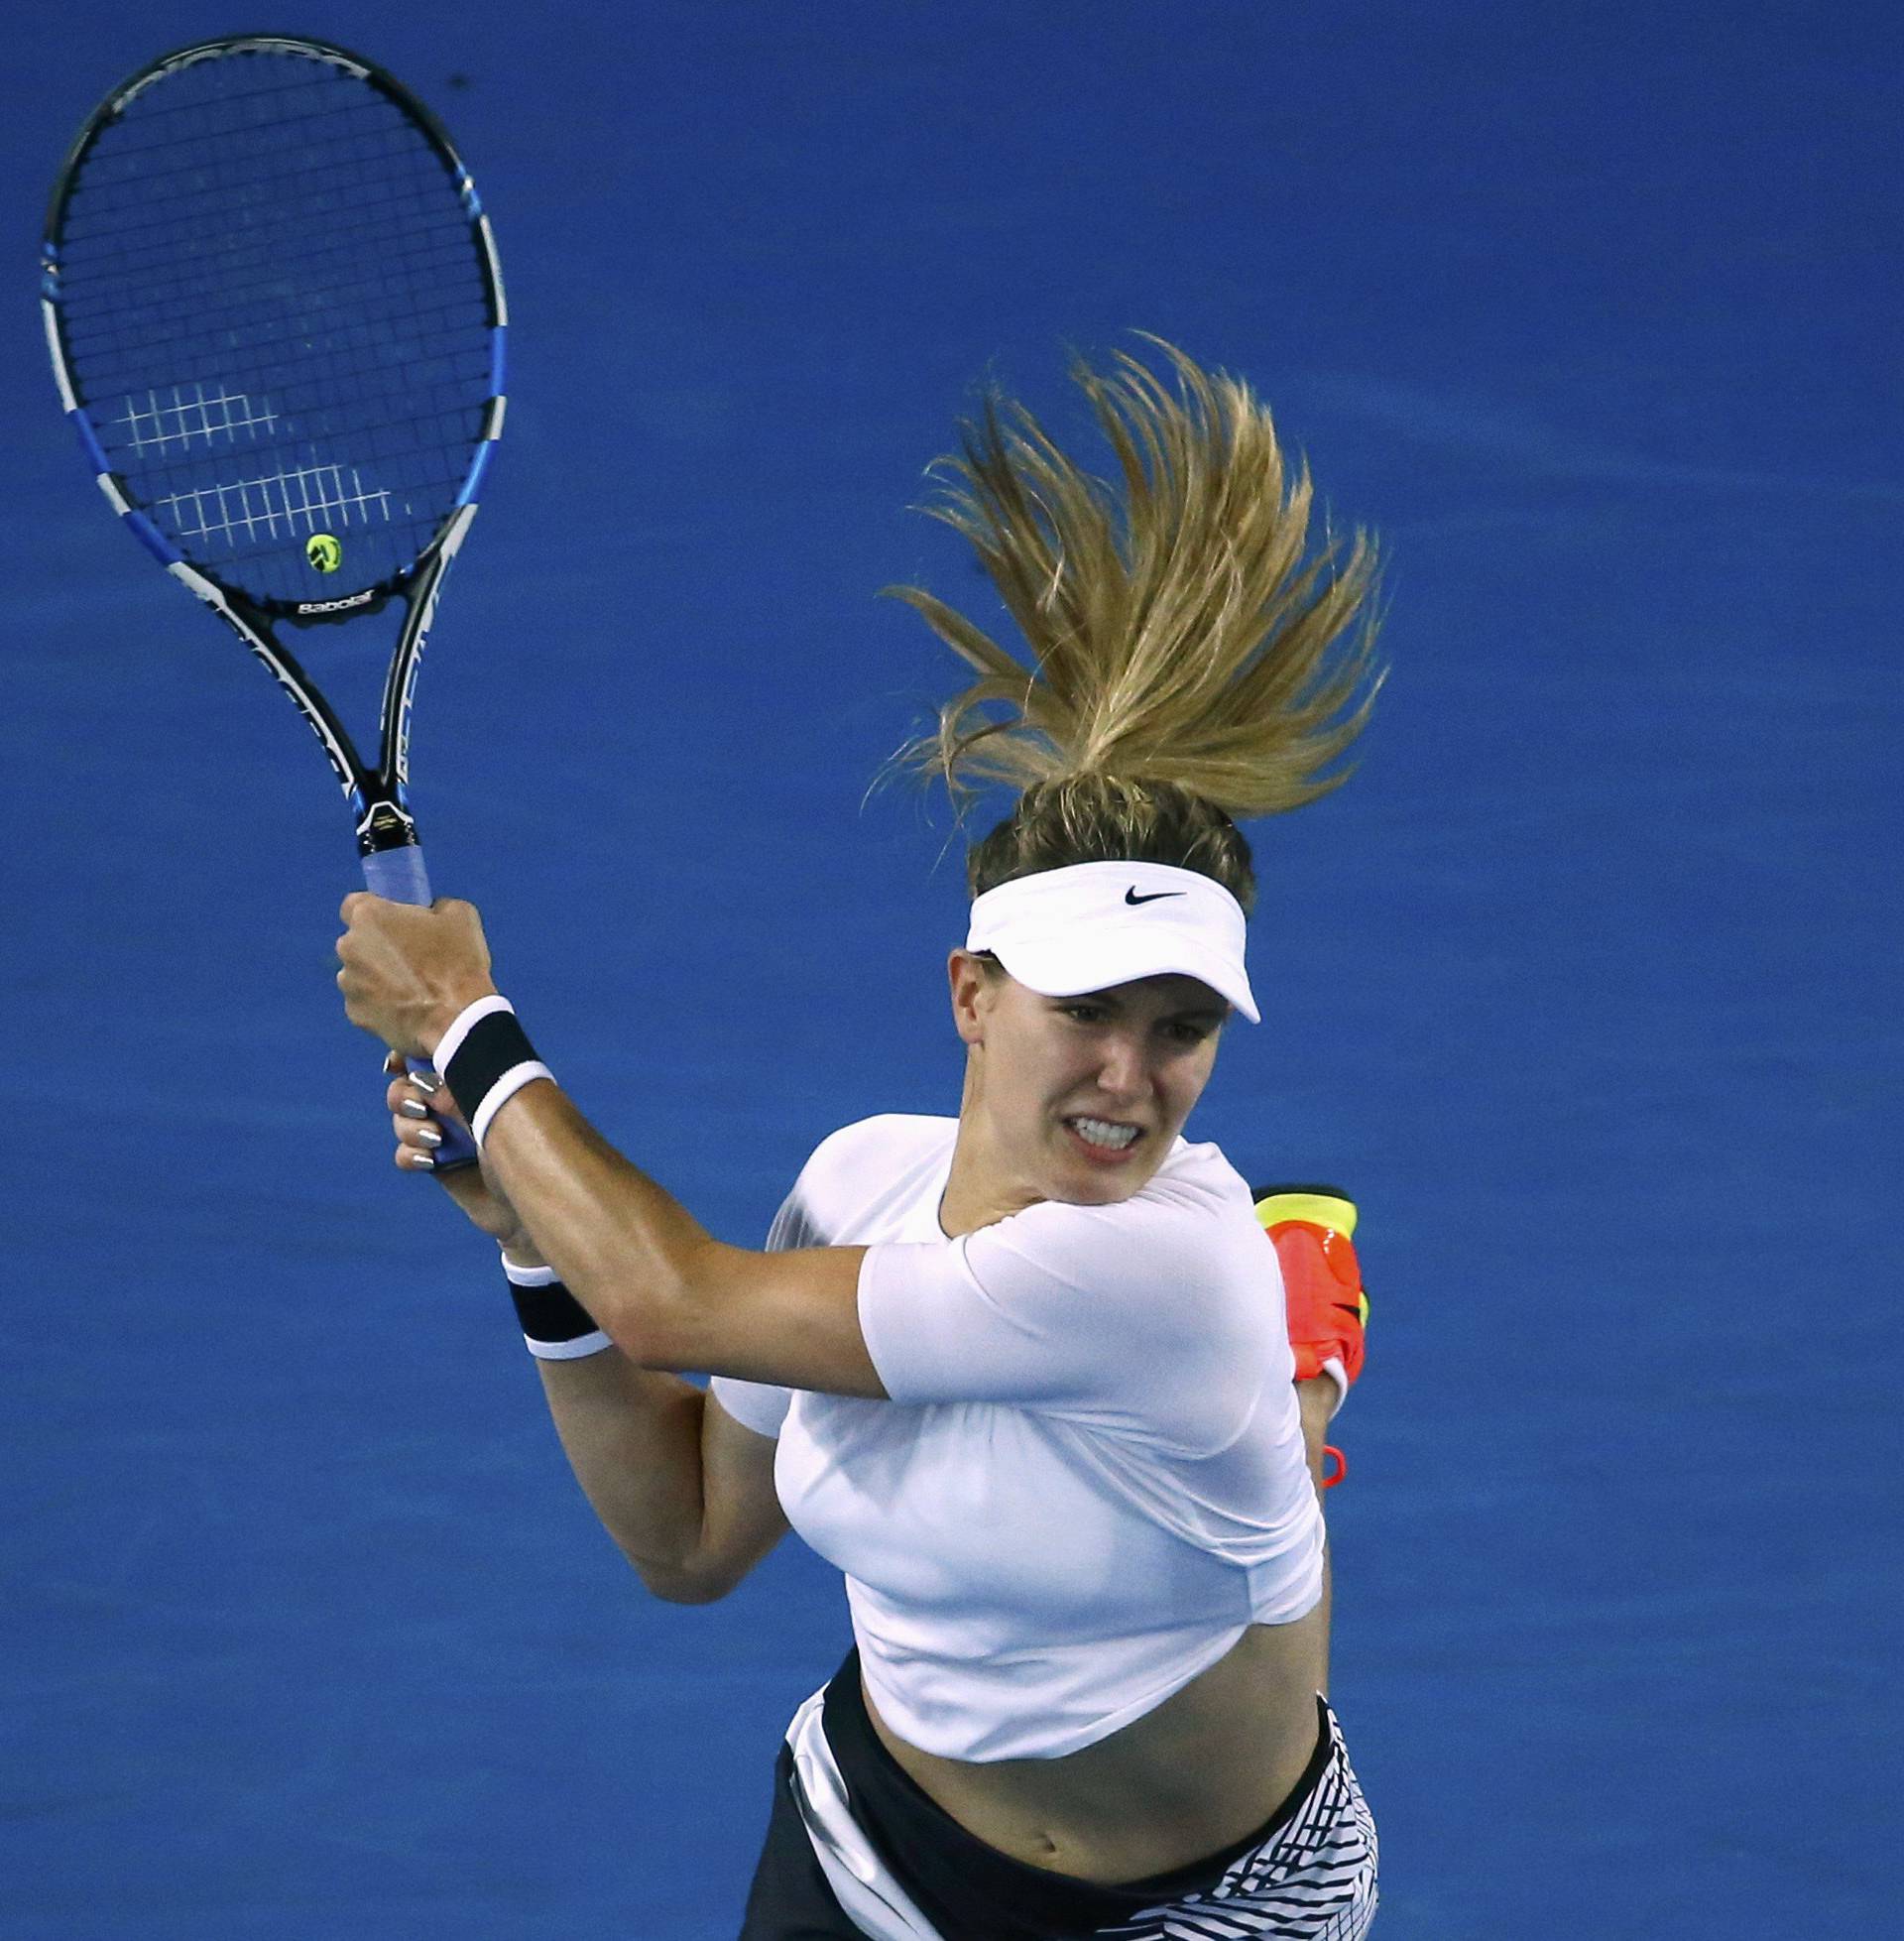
[{"x": 276, "y": 319}]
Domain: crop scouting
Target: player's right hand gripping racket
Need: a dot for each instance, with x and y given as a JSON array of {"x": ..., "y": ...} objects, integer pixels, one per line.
[{"x": 276, "y": 319}]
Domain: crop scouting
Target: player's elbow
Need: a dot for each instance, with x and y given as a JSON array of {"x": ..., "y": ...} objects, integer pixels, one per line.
[{"x": 682, "y": 1584}]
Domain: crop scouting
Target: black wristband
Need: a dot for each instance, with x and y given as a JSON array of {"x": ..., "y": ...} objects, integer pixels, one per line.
[
  {"x": 555, "y": 1325},
  {"x": 491, "y": 1065}
]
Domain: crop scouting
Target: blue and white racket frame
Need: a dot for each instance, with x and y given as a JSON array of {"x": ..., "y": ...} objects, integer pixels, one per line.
[{"x": 378, "y": 794}]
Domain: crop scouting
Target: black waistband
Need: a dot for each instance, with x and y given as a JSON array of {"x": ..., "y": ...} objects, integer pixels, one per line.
[{"x": 970, "y": 1890}]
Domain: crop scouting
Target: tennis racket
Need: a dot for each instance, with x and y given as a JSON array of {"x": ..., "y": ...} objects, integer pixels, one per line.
[{"x": 276, "y": 319}]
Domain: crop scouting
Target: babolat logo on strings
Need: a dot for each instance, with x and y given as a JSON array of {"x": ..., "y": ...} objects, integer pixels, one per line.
[{"x": 324, "y": 552}]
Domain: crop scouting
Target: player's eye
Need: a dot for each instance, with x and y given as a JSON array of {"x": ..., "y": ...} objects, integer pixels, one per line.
[{"x": 1189, "y": 1031}]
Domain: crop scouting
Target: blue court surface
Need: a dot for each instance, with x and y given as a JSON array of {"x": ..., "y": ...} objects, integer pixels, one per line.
[{"x": 1586, "y": 984}]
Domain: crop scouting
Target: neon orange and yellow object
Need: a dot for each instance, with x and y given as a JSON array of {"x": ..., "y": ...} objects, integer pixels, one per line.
[{"x": 1313, "y": 1231}]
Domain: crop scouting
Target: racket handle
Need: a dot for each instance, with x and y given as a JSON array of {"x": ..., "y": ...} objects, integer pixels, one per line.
[{"x": 399, "y": 877}]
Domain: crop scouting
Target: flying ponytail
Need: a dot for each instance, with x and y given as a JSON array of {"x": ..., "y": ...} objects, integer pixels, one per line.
[{"x": 1191, "y": 662}]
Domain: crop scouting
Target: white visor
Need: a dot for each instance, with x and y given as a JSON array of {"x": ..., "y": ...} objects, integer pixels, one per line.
[{"x": 1091, "y": 925}]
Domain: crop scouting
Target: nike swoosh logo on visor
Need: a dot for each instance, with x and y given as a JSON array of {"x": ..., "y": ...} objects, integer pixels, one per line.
[{"x": 1131, "y": 894}]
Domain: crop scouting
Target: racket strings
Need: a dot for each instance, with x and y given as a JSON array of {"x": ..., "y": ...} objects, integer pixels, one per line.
[
  {"x": 282, "y": 73},
  {"x": 323, "y": 500},
  {"x": 267, "y": 355},
  {"x": 183, "y": 419},
  {"x": 274, "y": 121},
  {"x": 431, "y": 256},
  {"x": 279, "y": 314},
  {"x": 229, "y": 422},
  {"x": 115, "y": 209}
]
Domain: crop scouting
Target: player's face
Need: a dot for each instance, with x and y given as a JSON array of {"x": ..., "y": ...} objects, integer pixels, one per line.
[{"x": 1079, "y": 1099}]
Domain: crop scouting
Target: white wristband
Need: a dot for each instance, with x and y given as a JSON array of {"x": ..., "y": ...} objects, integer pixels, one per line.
[
  {"x": 500, "y": 1094},
  {"x": 1339, "y": 1375}
]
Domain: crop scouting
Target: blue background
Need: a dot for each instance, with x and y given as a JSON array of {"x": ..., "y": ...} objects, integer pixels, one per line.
[{"x": 1586, "y": 984}]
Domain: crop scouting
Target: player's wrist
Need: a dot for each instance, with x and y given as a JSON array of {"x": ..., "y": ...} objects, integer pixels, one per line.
[
  {"x": 1317, "y": 1399},
  {"x": 453, "y": 1012},
  {"x": 555, "y": 1325},
  {"x": 484, "y": 1058}
]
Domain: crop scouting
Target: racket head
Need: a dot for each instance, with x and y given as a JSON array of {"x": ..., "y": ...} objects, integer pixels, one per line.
[{"x": 276, "y": 317}]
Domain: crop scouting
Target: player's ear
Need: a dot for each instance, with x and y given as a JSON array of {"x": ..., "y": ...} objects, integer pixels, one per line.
[{"x": 964, "y": 973}]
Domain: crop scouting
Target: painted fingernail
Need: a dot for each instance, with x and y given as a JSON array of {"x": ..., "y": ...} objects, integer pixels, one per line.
[
  {"x": 414, "y": 1109},
  {"x": 423, "y": 1079},
  {"x": 423, "y": 1160},
  {"x": 430, "y": 1138}
]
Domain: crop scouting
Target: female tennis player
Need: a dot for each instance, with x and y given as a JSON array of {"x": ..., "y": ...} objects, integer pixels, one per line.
[{"x": 1024, "y": 1375}]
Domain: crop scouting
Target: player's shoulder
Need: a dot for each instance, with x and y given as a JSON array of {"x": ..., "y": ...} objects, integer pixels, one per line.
[
  {"x": 888, "y": 1139},
  {"x": 867, "y": 1170},
  {"x": 1192, "y": 1217},
  {"x": 1192, "y": 1220},
  {"x": 1199, "y": 1179}
]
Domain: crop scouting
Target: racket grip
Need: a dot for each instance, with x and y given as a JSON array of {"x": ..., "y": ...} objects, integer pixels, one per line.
[{"x": 399, "y": 877}]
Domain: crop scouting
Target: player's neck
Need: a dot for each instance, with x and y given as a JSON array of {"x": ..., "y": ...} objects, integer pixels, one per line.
[{"x": 984, "y": 1186}]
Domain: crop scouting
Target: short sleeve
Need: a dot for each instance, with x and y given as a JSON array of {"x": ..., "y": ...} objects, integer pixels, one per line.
[
  {"x": 761, "y": 1406},
  {"x": 1159, "y": 1317},
  {"x": 756, "y": 1406}
]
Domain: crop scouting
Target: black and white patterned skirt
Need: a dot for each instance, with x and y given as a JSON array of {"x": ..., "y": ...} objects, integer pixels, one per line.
[{"x": 855, "y": 1849}]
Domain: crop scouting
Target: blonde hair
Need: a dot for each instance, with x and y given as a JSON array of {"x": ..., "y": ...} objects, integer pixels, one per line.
[{"x": 1191, "y": 662}]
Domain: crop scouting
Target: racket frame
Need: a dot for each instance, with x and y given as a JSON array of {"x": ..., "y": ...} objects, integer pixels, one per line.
[{"x": 379, "y": 795}]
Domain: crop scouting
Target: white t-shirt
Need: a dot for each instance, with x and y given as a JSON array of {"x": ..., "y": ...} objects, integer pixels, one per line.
[{"x": 1089, "y": 1479}]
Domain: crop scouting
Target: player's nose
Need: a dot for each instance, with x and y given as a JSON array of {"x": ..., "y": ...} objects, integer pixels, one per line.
[{"x": 1122, "y": 1072}]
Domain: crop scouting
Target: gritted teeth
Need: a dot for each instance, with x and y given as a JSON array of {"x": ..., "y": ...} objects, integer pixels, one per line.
[{"x": 1102, "y": 1132}]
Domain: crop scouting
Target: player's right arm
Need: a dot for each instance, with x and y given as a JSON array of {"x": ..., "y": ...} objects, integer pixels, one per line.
[{"x": 685, "y": 1491}]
